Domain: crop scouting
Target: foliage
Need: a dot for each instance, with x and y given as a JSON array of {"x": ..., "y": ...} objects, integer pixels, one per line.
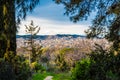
[
  {"x": 35, "y": 50},
  {"x": 9, "y": 56},
  {"x": 21, "y": 68},
  {"x": 17, "y": 70},
  {"x": 6, "y": 71},
  {"x": 2, "y": 48},
  {"x": 107, "y": 14},
  {"x": 11, "y": 12},
  {"x": 37, "y": 67},
  {"x": 24, "y": 6},
  {"x": 32, "y": 29},
  {"x": 36, "y": 53},
  {"x": 105, "y": 24},
  {"x": 104, "y": 65},
  {"x": 114, "y": 34},
  {"x": 81, "y": 70},
  {"x": 61, "y": 60},
  {"x": 7, "y": 27},
  {"x": 81, "y": 9}
]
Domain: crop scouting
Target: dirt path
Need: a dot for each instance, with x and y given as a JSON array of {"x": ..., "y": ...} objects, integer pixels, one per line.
[{"x": 48, "y": 78}]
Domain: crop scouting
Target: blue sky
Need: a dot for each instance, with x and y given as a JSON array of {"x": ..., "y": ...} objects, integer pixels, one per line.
[{"x": 50, "y": 17}]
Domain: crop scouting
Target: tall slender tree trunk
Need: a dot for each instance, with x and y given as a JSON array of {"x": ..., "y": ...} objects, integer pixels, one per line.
[
  {"x": 7, "y": 29},
  {"x": 2, "y": 37}
]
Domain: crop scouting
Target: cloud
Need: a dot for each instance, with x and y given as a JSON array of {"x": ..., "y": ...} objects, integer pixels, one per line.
[
  {"x": 49, "y": 16},
  {"x": 51, "y": 27},
  {"x": 50, "y": 11}
]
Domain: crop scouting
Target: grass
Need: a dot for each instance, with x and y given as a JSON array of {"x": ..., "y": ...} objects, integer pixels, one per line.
[
  {"x": 40, "y": 76},
  {"x": 61, "y": 76},
  {"x": 56, "y": 76}
]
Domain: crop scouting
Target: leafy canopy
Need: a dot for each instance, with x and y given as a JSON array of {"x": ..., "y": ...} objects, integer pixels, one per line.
[
  {"x": 106, "y": 23},
  {"x": 24, "y": 6}
]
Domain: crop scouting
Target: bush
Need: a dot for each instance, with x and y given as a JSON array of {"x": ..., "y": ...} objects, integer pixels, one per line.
[
  {"x": 101, "y": 65},
  {"x": 81, "y": 70},
  {"x": 37, "y": 67},
  {"x": 18, "y": 69},
  {"x": 6, "y": 71},
  {"x": 106, "y": 65},
  {"x": 22, "y": 69},
  {"x": 62, "y": 62}
]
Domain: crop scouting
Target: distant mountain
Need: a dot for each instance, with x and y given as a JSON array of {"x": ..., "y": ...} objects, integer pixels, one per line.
[
  {"x": 36, "y": 37},
  {"x": 51, "y": 36},
  {"x": 70, "y": 35}
]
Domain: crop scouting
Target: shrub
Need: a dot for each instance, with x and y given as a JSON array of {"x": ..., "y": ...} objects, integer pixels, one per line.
[
  {"x": 106, "y": 65},
  {"x": 37, "y": 67},
  {"x": 18, "y": 69},
  {"x": 62, "y": 62},
  {"x": 81, "y": 70},
  {"x": 101, "y": 65},
  {"x": 22, "y": 68},
  {"x": 6, "y": 71}
]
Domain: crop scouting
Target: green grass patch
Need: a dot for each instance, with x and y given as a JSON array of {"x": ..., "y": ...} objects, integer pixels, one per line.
[
  {"x": 40, "y": 76},
  {"x": 56, "y": 76},
  {"x": 61, "y": 76}
]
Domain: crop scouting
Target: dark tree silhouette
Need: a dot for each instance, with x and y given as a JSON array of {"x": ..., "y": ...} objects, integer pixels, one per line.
[
  {"x": 11, "y": 12},
  {"x": 103, "y": 65},
  {"x": 106, "y": 22}
]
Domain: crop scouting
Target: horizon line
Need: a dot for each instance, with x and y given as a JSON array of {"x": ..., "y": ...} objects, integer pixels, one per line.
[{"x": 51, "y": 34}]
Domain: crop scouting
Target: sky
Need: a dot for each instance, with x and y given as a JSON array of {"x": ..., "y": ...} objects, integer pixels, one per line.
[{"x": 51, "y": 19}]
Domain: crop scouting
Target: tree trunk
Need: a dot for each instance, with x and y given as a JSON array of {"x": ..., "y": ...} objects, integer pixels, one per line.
[
  {"x": 7, "y": 29},
  {"x": 2, "y": 37}
]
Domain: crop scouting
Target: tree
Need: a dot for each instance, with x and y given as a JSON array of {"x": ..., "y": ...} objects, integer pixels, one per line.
[
  {"x": 11, "y": 12},
  {"x": 103, "y": 64},
  {"x": 106, "y": 22},
  {"x": 34, "y": 52},
  {"x": 7, "y": 25}
]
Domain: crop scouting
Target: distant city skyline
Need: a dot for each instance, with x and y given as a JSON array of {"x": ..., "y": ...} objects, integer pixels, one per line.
[{"x": 51, "y": 19}]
